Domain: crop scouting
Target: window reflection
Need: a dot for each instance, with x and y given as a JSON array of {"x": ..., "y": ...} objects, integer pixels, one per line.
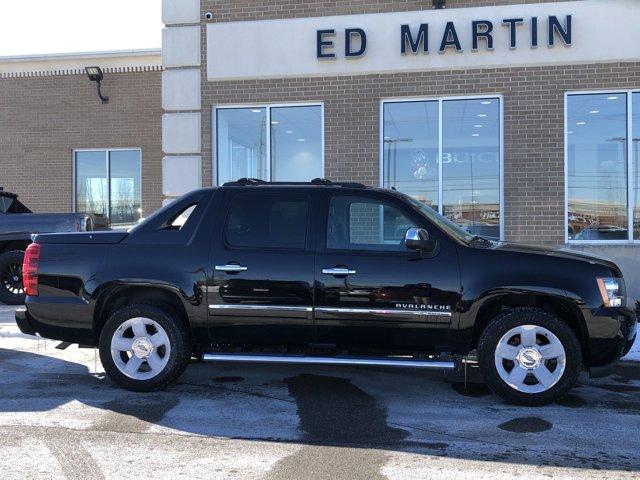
[
  {"x": 109, "y": 183},
  {"x": 411, "y": 133},
  {"x": 296, "y": 143},
  {"x": 126, "y": 198},
  {"x": 635, "y": 148},
  {"x": 92, "y": 191},
  {"x": 597, "y": 167},
  {"x": 471, "y": 164},
  {"x": 470, "y": 181},
  {"x": 242, "y": 144}
]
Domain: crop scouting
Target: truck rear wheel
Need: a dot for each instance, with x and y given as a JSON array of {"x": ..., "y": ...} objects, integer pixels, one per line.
[
  {"x": 11, "y": 288},
  {"x": 143, "y": 347},
  {"x": 529, "y": 357}
]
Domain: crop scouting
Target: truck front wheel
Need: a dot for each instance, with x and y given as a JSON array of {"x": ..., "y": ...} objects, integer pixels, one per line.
[
  {"x": 143, "y": 347},
  {"x": 529, "y": 357},
  {"x": 11, "y": 288}
]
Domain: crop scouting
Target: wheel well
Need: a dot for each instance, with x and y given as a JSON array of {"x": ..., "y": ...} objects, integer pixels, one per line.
[
  {"x": 564, "y": 310},
  {"x": 118, "y": 297},
  {"x": 12, "y": 245}
]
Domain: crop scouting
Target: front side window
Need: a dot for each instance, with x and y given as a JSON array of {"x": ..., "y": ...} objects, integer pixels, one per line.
[
  {"x": 267, "y": 221},
  {"x": 108, "y": 182},
  {"x": 447, "y": 155},
  {"x": 365, "y": 224},
  {"x": 602, "y": 193},
  {"x": 282, "y": 143}
]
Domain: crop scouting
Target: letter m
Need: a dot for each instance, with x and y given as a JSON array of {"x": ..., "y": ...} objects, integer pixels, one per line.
[{"x": 406, "y": 37}]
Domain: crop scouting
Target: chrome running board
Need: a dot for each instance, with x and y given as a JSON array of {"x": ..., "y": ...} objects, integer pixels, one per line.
[{"x": 304, "y": 360}]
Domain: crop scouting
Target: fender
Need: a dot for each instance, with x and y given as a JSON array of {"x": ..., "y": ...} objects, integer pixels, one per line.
[{"x": 472, "y": 320}]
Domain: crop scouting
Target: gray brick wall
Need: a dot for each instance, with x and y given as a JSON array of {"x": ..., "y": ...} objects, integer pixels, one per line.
[
  {"x": 533, "y": 126},
  {"x": 42, "y": 119}
]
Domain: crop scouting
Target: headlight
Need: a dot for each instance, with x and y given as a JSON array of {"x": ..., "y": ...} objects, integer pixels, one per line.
[{"x": 612, "y": 291}]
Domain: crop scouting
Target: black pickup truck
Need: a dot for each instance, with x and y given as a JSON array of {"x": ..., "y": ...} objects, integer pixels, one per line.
[
  {"x": 328, "y": 273},
  {"x": 17, "y": 224}
]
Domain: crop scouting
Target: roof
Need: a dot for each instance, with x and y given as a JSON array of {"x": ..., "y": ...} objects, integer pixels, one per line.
[{"x": 118, "y": 61}]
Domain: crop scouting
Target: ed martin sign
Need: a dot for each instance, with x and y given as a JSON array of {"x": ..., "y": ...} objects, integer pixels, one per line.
[
  {"x": 558, "y": 33},
  {"x": 355, "y": 39}
]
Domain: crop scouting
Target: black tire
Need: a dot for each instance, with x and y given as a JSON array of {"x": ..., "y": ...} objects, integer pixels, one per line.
[
  {"x": 510, "y": 319},
  {"x": 11, "y": 290},
  {"x": 179, "y": 338}
]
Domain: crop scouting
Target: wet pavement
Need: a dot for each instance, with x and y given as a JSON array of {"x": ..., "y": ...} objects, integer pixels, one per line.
[{"x": 61, "y": 418}]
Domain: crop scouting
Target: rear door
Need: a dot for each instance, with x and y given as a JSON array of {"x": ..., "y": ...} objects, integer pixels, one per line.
[
  {"x": 372, "y": 292},
  {"x": 261, "y": 291}
]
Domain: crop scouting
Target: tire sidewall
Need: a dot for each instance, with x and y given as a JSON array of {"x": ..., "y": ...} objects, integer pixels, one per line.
[
  {"x": 178, "y": 339},
  {"x": 15, "y": 256},
  {"x": 511, "y": 319}
]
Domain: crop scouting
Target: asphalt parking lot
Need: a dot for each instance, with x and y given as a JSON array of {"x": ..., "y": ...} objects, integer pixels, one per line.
[{"x": 61, "y": 418}]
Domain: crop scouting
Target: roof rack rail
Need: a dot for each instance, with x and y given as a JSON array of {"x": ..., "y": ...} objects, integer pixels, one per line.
[{"x": 246, "y": 182}]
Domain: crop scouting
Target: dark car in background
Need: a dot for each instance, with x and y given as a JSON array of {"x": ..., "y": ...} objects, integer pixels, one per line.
[
  {"x": 17, "y": 224},
  {"x": 326, "y": 273}
]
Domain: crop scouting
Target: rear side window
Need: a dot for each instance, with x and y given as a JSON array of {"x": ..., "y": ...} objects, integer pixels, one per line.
[{"x": 268, "y": 221}]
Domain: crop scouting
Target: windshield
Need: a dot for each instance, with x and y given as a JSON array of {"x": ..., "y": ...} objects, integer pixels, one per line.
[{"x": 449, "y": 227}]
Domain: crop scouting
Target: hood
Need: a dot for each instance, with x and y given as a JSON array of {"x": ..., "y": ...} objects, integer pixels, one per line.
[{"x": 557, "y": 253}]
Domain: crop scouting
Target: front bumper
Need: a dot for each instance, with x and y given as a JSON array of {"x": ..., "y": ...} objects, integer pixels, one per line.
[
  {"x": 611, "y": 332},
  {"x": 24, "y": 322}
]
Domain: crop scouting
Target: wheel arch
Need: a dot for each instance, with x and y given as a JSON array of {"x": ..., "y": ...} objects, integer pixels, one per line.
[
  {"x": 560, "y": 306},
  {"x": 13, "y": 245},
  {"x": 114, "y": 297}
]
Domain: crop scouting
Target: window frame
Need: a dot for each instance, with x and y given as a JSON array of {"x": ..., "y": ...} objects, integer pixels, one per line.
[
  {"x": 106, "y": 152},
  {"x": 441, "y": 100},
  {"x": 630, "y": 170},
  {"x": 268, "y": 107}
]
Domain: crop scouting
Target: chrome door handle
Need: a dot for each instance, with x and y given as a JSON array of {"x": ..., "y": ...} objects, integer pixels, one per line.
[
  {"x": 338, "y": 272},
  {"x": 231, "y": 268}
]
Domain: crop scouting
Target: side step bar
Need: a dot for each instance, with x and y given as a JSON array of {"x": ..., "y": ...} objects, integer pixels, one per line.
[{"x": 362, "y": 361}]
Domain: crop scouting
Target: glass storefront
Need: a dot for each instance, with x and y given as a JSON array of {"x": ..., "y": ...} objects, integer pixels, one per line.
[
  {"x": 602, "y": 191},
  {"x": 108, "y": 182},
  {"x": 279, "y": 143},
  {"x": 446, "y": 154}
]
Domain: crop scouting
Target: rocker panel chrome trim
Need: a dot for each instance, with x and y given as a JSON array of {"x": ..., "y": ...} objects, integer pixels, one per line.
[{"x": 426, "y": 364}]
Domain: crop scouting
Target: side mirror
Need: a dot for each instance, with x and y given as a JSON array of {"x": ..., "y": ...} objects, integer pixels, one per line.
[{"x": 418, "y": 239}]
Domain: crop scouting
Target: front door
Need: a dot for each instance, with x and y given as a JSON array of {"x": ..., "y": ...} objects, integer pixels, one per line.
[
  {"x": 372, "y": 292},
  {"x": 262, "y": 288}
]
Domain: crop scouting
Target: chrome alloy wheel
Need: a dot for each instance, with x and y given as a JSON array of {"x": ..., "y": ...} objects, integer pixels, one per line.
[
  {"x": 140, "y": 348},
  {"x": 530, "y": 359}
]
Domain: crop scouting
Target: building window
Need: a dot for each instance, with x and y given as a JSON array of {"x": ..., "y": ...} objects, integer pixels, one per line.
[
  {"x": 108, "y": 182},
  {"x": 274, "y": 143},
  {"x": 602, "y": 161},
  {"x": 447, "y": 153}
]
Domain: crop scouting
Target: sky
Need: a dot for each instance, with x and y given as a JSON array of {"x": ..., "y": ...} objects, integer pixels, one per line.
[{"x": 62, "y": 26}]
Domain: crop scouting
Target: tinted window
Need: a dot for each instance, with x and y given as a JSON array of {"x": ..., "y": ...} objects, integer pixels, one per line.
[
  {"x": 5, "y": 204},
  {"x": 365, "y": 224},
  {"x": 268, "y": 221}
]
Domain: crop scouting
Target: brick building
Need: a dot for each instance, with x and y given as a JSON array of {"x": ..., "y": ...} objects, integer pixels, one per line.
[
  {"x": 518, "y": 119},
  {"x": 59, "y": 143}
]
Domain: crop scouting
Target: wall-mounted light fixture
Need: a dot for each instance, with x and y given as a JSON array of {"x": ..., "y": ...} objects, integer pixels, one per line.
[
  {"x": 439, "y": 3},
  {"x": 95, "y": 75}
]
